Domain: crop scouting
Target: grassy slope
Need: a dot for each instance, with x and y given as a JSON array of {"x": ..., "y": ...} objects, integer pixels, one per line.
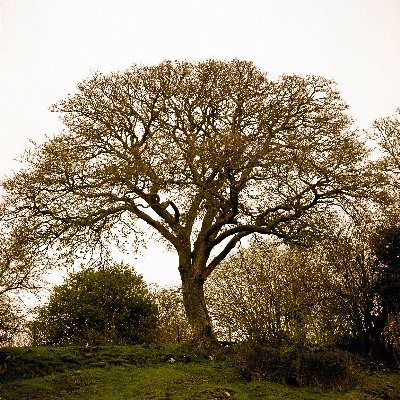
[{"x": 139, "y": 372}]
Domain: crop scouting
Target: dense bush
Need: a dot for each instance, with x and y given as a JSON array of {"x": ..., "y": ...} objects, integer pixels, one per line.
[
  {"x": 111, "y": 305},
  {"x": 289, "y": 363}
]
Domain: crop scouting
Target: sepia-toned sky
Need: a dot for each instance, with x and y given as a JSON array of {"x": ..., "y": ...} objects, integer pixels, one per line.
[{"x": 47, "y": 46}]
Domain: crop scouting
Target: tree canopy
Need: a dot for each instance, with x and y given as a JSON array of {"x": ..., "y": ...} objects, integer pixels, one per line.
[{"x": 205, "y": 153}]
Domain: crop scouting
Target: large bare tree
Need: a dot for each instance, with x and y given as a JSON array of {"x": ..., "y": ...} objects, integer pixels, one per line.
[{"x": 205, "y": 153}]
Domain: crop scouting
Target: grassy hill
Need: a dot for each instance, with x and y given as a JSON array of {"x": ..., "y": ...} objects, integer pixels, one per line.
[{"x": 164, "y": 372}]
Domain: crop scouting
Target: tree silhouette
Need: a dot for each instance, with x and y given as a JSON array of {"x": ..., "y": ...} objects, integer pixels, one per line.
[{"x": 205, "y": 153}]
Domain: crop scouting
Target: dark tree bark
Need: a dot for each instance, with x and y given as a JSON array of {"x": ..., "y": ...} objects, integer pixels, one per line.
[{"x": 197, "y": 313}]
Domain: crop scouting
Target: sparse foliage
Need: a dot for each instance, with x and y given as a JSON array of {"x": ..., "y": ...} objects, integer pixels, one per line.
[{"x": 274, "y": 292}]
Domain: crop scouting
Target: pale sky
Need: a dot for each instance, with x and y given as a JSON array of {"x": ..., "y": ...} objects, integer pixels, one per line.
[{"x": 47, "y": 46}]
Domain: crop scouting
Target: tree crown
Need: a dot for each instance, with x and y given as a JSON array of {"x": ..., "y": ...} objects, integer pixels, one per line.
[{"x": 205, "y": 153}]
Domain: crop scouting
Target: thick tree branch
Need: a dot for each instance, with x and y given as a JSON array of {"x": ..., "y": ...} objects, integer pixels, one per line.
[{"x": 222, "y": 255}]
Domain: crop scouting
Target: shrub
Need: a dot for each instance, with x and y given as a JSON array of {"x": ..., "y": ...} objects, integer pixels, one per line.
[
  {"x": 107, "y": 306},
  {"x": 288, "y": 363}
]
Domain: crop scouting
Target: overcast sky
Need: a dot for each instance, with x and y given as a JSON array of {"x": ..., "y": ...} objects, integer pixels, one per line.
[{"x": 47, "y": 46}]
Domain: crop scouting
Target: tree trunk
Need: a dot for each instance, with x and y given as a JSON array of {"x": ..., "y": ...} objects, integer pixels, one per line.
[{"x": 196, "y": 310}]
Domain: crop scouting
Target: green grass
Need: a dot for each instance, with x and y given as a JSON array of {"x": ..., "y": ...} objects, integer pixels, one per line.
[{"x": 143, "y": 372}]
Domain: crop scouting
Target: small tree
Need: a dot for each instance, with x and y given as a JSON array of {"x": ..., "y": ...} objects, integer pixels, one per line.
[
  {"x": 386, "y": 248},
  {"x": 353, "y": 304},
  {"x": 104, "y": 306},
  {"x": 204, "y": 153},
  {"x": 364, "y": 260}
]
